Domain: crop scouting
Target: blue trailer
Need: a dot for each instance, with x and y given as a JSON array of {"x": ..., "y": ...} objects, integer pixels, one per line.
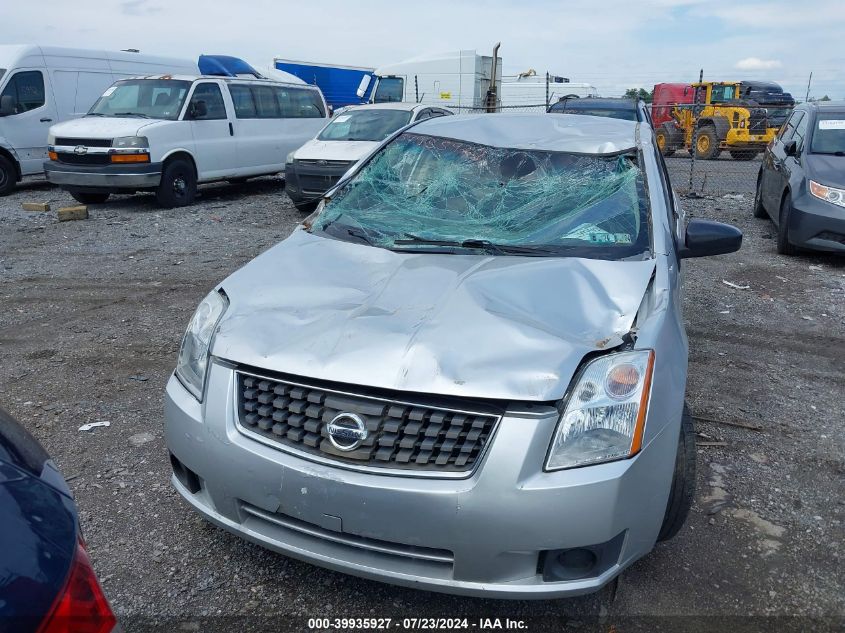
[{"x": 339, "y": 84}]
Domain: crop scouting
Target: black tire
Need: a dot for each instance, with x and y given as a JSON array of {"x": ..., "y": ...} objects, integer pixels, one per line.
[
  {"x": 306, "y": 207},
  {"x": 664, "y": 140},
  {"x": 744, "y": 154},
  {"x": 759, "y": 210},
  {"x": 683, "y": 482},
  {"x": 8, "y": 176},
  {"x": 783, "y": 245},
  {"x": 89, "y": 198},
  {"x": 178, "y": 185},
  {"x": 707, "y": 143}
]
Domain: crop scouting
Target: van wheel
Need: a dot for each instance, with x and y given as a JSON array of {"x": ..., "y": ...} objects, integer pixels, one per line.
[
  {"x": 8, "y": 176},
  {"x": 758, "y": 209},
  {"x": 89, "y": 198},
  {"x": 783, "y": 245},
  {"x": 683, "y": 482},
  {"x": 178, "y": 185}
]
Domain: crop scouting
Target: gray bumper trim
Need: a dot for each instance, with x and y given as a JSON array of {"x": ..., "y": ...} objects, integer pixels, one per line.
[{"x": 105, "y": 177}]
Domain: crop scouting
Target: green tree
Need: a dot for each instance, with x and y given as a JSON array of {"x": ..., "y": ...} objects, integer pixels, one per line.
[{"x": 639, "y": 93}]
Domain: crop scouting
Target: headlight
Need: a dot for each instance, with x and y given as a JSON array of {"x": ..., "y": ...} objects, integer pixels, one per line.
[
  {"x": 289, "y": 159},
  {"x": 605, "y": 412},
  {"x": 193, "y": 354},
  {"x": 130, "y": 142},
  {"x": 828, "y": 194}
]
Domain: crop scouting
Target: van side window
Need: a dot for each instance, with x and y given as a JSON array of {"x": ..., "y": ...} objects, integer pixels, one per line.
[
  {"x": 26, "y": 89},
  {"x": 801, "y": 131},
  {"x": 300, "y": 103},
  {"x": 265, "y": 101},
  {"x": 244, "y": 103},
  {"x": 788, "y": 128},
  {"x": 213, "y": 98}
]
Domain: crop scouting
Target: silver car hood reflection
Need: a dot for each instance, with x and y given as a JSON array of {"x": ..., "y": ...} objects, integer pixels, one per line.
[{"x": 512, "y": 328}]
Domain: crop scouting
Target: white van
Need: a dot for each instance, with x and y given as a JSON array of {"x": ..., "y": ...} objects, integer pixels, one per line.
[
  {"x": 41, "y": 86},
  {"x": 168, "y": 133}
]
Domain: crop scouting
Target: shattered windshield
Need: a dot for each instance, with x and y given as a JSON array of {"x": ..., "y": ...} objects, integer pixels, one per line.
[
  {"x": 365, "y": 125},
  {"x": 432, "y": 194}
]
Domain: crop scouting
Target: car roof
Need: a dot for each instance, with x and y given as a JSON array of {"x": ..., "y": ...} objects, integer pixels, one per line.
[
  {"x": 393, "y": 105},
  {"x": 821, "y": 105},
  {"x": 559, "y": 133},
  {"x": 620, "y": 103},
  {"x": 250, "y": 80}
]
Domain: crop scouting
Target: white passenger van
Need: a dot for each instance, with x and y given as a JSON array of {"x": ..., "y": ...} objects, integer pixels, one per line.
[
  {"x": 41, "y": 86},
  {"x": 168, "y": 133}
]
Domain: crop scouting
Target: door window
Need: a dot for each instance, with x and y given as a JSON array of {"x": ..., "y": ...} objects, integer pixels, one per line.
[
  {"x": 800, "y": 132},
  {"x": 300, "y": 103},
  {"x": 389, "y": 89},
  {"x": 26, "y": 89},
  {"x": 788, "y": 128},
  {"x": 266, "y": 103},
  {"x": 210, "y": 94}
]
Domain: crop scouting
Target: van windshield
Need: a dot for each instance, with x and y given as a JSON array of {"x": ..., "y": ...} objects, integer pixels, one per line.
[
  {"x": 365, "y": 125},
  {"x": 430, "y": 194},
  {"x": 146, "y": 98}
]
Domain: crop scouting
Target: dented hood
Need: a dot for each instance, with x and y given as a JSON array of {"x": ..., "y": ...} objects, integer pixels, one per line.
[{"x": 504, "y": 327}]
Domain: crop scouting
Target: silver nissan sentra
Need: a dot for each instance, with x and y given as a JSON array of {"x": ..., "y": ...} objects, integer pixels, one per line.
[{"x": 464, "y": 372}]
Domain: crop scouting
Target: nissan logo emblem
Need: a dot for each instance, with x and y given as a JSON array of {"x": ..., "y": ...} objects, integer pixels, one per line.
[
  {"x": 347, "y": 431},
  {"x": 80, "y": 149}
]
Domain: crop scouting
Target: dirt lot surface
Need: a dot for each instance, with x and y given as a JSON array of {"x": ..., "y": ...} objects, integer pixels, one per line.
[{"x": 93, "y": 312}]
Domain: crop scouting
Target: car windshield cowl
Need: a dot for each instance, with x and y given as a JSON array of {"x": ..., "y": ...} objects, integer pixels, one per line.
[{"x": 424, "y": 193}]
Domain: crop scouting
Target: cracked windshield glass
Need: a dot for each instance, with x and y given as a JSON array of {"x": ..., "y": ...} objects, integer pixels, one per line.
[{"x": 432, "y": 194}]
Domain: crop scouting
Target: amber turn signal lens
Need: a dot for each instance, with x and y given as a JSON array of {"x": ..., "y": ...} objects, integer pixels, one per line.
[
  {"x": 53, "y": 155},
  {"x": 130, "y": 158},
  {"x": 622, "y": 380}
]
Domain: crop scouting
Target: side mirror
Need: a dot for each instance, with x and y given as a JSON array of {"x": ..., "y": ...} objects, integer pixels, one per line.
[
  {"x": 790, "y": 148},
  {"x": 7, "y": 105},
  {"x": 706, "y": 237},
  {"x": 362, "y": 87},
  {"x": 197, "y": 110}
]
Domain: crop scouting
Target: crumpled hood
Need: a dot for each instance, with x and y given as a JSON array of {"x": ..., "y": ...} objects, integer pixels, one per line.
[
  {"x": 103, "y": 127},
  {"x": 511, "y": 328},
  {"x": 335, "y": 150}
]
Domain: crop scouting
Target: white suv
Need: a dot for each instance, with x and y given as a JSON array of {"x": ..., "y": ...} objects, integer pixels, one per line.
[{"x": 168, "y": 133}]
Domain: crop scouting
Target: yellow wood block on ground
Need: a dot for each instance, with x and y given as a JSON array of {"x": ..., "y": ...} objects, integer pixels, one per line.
[
  {"x": 35, "y": 206},
  {"x": 73, "y": 213}
]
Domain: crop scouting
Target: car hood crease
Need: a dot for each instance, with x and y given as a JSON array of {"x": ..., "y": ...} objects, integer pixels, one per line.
[{"x": 512, "y": 328}]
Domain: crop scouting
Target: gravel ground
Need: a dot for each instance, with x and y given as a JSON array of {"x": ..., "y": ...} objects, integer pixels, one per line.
[{"x": 92, "y": 315}]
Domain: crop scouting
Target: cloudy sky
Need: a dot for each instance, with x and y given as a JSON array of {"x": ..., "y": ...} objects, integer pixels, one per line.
[{"x": 612, "y": 44}]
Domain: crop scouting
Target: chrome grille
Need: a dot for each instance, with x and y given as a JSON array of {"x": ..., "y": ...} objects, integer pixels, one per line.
[
  {"x": 87, "y": 142},
  {"x": 423, "y": 438}
]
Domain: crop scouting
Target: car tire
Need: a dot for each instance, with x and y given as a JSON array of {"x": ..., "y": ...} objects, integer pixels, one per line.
[
  {"x": 8, "y": 176},
  {"x": 682, "y": 491},
  {"x": 783, "y": 245},
  {"x": 759, "y": 210},
  {"x": 707, "y": 143},
  {"x": 178, "y": 185},
  {"x": 306, "y": 207},
  {"x": 744, "y": 154},
  {"x": 89, "y": 198}
]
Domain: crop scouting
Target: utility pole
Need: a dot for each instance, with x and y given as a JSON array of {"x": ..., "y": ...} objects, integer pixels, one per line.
[
  {"x": 696, "y": 110},
  {"x": 809, "y": 81}
]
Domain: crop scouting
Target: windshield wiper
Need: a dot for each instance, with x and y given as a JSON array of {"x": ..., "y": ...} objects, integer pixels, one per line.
[
  {"x": 96, "y": 114},
  {"x": 137, "y": 114},
  {"x": 475, "y": 244}
]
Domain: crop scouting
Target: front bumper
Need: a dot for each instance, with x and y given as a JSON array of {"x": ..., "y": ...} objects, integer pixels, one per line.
[
  {"x": 309, "y": 182},
  {"x": 484, "y": 535},
  {"x": 104, "y": 177},
  {"x": 817, "y": 224}
]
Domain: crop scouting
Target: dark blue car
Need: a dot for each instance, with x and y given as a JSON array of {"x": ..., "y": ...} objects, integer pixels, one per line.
[
  {"x": 47, "y": 584},
  {"x": 801, "y": 184}
]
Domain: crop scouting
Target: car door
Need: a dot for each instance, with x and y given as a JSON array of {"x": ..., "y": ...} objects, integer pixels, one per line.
[
  {"x": 215, "y": 151},
  {"x": 792, "y": 171},
  {"x": 28, "y": 112},
  {"x": 773, "y": 163}
]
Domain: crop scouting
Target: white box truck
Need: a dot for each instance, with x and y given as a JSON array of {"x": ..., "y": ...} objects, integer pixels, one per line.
[
  {"x": 41, "y": 86},
  {"x": 529, "y": 89},
  {"x": 458, "y": 79}
]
